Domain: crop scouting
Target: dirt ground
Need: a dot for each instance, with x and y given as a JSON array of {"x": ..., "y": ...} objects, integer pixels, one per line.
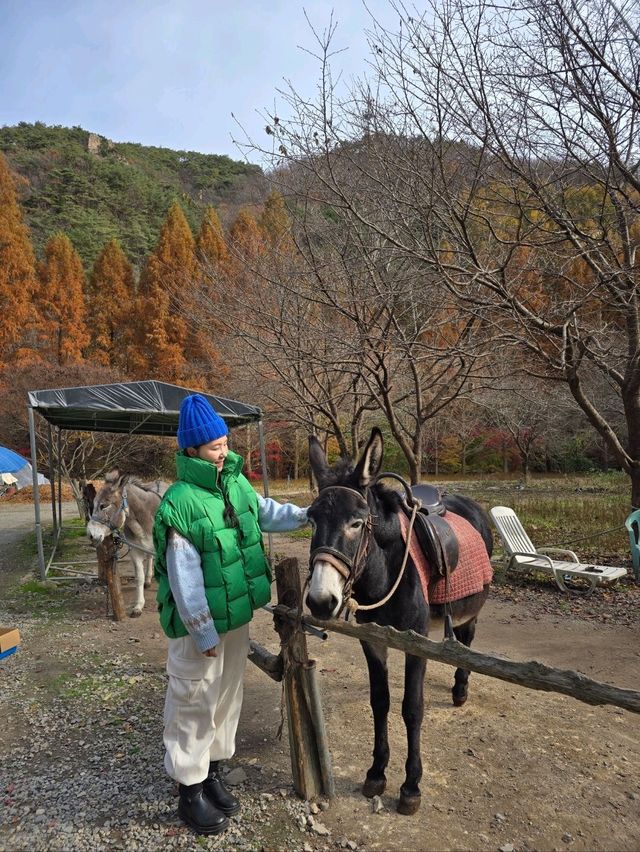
[{"x": 514, "y": 769}]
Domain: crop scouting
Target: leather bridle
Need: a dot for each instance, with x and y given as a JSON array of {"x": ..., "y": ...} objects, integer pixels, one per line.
[
  {"x": 122, "y": 510},
  {"x": 350, "y": 568}
]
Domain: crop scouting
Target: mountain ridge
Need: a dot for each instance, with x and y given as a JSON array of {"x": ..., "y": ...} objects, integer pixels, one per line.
[{"x": 94, "y": 189}]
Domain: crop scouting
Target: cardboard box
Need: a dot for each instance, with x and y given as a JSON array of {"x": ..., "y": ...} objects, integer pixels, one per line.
[{"x": 9, "y": 638}]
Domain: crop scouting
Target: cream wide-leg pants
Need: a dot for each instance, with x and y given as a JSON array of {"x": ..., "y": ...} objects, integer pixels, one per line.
[{"x": 203, "y": 703}]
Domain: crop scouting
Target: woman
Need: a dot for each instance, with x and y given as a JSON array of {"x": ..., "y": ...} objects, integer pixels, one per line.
[{"x": 212, "y": 575}]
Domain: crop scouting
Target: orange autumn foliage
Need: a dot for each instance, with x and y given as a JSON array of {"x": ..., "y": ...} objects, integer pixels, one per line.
[
  {"x": 161, "y": 333},
  {"x": 111, "y": 301},
  {"x": 18, "y": 279},
  {"x": 211, "y": 246},
  {"x": 60, "y": 301}
]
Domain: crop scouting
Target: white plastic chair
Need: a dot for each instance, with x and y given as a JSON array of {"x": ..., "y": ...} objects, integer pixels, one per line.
[{"x": 521, "y": 554}]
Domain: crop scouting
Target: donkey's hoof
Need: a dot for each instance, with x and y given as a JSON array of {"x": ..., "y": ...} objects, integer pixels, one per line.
[
  {"x": 459, "y": 700},
  {"x": 136, "y": 613},
  {"x": 408, "y": 805},
  {"x": 374, "y": 787}
]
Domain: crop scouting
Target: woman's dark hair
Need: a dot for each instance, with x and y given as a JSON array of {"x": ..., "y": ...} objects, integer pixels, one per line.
[{"x": 230, "y": 517}]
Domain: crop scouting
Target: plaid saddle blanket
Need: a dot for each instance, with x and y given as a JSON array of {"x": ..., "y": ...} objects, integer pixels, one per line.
[{"x": 470, "y": 576}]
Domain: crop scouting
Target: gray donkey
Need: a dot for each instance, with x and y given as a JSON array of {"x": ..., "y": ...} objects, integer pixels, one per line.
[{"x": 125, "y": 504}]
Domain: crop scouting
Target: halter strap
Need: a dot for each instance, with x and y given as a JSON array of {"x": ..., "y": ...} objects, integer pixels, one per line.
[
  {"x": 351, "y": 569},
  {"x": 345, "y": 488},
  {"x": 122, "y": 508}
]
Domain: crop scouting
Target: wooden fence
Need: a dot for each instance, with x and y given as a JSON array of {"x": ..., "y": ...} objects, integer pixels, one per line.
[{"x": 310, "y": 756}]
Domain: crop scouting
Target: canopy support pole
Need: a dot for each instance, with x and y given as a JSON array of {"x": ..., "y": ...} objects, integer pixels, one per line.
[
  {"x": 52, "y": 478},
  {"x": 265, "y": 476},
  {"x": 36, "y": 493},
  {"x": 59, "y": 463}
]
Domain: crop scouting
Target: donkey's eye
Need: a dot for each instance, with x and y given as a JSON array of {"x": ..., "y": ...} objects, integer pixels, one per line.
[{"x": 356, "y": 525}]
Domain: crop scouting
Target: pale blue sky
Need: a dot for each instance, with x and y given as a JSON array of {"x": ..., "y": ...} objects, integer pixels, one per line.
[{"x": 166, "y": 73}]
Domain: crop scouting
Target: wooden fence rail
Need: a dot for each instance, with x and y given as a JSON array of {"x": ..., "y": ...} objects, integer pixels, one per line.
[{"x": 532, "y": 675}]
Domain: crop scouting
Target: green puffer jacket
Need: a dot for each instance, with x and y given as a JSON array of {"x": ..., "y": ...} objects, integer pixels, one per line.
[{"x": 236, "y": 573}]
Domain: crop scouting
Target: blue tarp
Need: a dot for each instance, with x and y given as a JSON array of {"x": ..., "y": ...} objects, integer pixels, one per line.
[
  {"x": 10, "y": 461},
  {"x": 19, "y": 470}
]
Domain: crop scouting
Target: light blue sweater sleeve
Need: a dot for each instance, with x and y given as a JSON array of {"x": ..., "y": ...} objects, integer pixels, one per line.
[
  {"x": 184, "y": 569},
  {"x": 279, "y": 517}
]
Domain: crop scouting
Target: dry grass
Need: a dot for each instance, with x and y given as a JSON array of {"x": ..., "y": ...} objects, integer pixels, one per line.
[{"x": 25, "y": 495}]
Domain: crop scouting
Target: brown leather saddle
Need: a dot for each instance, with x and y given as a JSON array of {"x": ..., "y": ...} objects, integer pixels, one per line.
[
  {"x": 436, "y": 538},
  {"x": 438, "y": 541}
]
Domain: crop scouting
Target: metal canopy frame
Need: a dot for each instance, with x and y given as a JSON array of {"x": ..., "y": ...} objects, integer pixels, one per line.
[{"x": 141, "y": 408}]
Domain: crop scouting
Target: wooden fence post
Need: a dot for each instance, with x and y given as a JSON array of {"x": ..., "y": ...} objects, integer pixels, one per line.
[
  {"x": 310, "y": 758},
  {"x": 108, "y": 568}
]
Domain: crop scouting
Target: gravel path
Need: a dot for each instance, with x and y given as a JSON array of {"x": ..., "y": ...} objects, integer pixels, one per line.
[{"x": 81, "y": 750}]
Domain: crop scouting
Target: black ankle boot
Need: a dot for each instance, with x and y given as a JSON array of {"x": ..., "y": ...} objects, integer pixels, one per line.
[
  {"x": 218, "y": 792},
  {"x": 199, "y": 812}
]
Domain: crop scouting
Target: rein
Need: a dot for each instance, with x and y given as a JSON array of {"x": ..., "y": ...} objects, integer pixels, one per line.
[
  {"x": 351, "y": 569},
  {"x": 353, "y": 605}
]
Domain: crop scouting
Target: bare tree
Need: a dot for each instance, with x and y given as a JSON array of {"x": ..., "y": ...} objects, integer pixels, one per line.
[
  {"x": 496, "y": 146},
  {"x": 352, "y": 316}
]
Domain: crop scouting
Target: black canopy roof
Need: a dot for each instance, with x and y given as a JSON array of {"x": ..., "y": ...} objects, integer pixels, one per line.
[{"x": 145, "y": 408}]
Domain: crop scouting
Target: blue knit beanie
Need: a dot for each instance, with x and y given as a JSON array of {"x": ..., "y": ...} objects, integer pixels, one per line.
[{"x": 198, "y": 423}]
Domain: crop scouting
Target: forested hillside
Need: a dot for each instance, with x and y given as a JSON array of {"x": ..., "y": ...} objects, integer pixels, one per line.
[{"x": 96, "y": 190}]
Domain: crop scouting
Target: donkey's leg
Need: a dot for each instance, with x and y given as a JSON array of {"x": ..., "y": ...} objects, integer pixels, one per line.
[
  {"x": 412, "y": 713},
  {"x": 148, "y": 570},
  {"x": 376, "y": 655},
  {"x": 138, "y": 564},
  {"x": 464, "y": 633}
]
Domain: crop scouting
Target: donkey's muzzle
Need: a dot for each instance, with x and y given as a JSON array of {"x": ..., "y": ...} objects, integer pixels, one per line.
[
  {"x": 337, "y": 560},
  {"x": 97, "y": 532}
]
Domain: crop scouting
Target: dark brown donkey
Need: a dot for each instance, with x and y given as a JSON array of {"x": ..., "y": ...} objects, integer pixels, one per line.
[{"x": 357, "y": 552}]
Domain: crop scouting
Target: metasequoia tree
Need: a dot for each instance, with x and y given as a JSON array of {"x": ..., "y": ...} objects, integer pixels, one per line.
[
  {"x": 246, "y": 240},
  {"x": 60, "y": 302},
  {"x": 18, "y": 280},
  {"x": 168, "y": 277},
  {"x": 211, "y": 245},
  {"x": 275, "y": 223},
  {"x": 496, "y": 146},
  {"x": 110, "y": 307}
]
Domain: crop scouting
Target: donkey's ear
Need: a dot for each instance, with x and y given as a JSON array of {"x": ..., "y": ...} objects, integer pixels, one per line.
[
  {"x": 116, "y": 479},
  {"x": 318, "y": 461},
  {"x": 369, "y": 465}
]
